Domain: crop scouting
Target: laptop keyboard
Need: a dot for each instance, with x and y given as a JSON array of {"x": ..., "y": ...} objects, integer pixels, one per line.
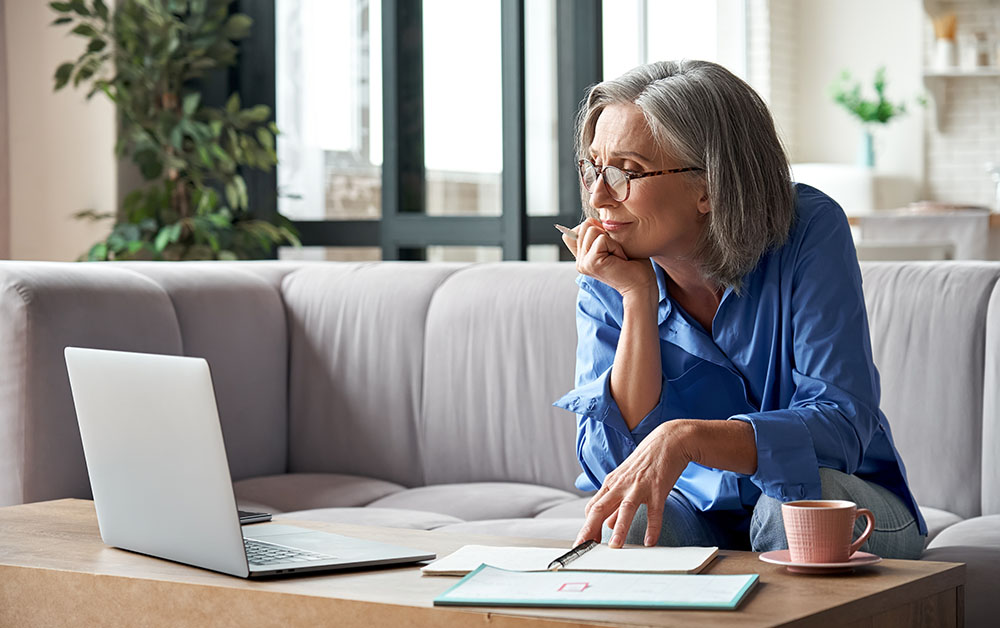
[{"x": 262, "y": 553}]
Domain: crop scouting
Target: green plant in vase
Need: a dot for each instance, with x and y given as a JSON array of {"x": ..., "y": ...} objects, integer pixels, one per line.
[
  {"x": 147, "y": 56},
  {"x": 847, "y": 92}
]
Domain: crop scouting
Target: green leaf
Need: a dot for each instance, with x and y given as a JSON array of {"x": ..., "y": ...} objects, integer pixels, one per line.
[
  {"x": 258, "y": 113},
  {"x": 206, "y": 159},
  {"x": 241, "y": 190},
  {"x": 101, "y": 9},
  {"x": 191, "y": 102},
  {"x": 98, "y": 252},
  {"x": 63, "y": 73},
  {"x": 60, "y": 21},
  {"x": 162, "y": 239},
  {"x": 84, "y": 72},
  {"x": 149, "y": 164},
  {"x": 61, "y": 7},
  {"x": 79, "y": 7},
  {"x": 177, "y": 137},
  {"x": 96, "y": 45},
  {"x": 232, "y": 195},
  {"x": 233, "y": 104},
  {"x": 237, "y": 27},
  {"x": 85, "y": 30},
  {"x": 265, "y": 138}
]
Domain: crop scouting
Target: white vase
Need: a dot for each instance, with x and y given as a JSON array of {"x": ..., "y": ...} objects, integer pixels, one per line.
[{"x": 945, "y": 56}]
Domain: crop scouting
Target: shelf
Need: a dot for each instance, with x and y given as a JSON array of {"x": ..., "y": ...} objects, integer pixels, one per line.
[
  {"x": 936, "y": 83},
  {"x": 957, "y": 73}
]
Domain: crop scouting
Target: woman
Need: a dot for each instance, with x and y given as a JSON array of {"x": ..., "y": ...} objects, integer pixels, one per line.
[{"x": 724, "y": 363}]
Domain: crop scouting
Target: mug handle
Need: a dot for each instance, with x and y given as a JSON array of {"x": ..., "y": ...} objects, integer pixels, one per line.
[{"x": 867, "y": 514}]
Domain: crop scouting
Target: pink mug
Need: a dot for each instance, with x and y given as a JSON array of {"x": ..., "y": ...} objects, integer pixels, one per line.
[{"x": 820, "y": 531}]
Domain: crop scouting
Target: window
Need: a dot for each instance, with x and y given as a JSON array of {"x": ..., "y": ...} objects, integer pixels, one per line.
[
  {"x": 643, "y": 31},
  {"x": 329, "y": 109},
  {"x": 393, "y": 141},
  {"x": 463, "y": 130}
]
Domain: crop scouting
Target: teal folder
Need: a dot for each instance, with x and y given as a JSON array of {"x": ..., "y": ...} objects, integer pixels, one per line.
[{"x": 490, "y": 586}]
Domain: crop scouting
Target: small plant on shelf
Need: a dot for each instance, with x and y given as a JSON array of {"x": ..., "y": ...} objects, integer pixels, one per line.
[
  {"x": 846, "y": 92},
  {"x": 146, "y": 56}
]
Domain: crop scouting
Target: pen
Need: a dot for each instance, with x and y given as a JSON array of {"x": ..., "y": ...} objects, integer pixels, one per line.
[
  {"x": 566, "y": 231},
  {"x": 572, "y": 555}
]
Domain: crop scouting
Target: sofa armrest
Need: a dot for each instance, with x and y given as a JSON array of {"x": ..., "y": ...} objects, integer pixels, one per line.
[{"x": 45, "y": 307}]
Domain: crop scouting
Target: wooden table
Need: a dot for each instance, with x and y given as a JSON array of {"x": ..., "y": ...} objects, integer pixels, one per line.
[{"x": 55, "y": 571}]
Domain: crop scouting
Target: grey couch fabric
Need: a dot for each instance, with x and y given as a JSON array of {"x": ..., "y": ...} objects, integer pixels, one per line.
[{"x": 419, "y": 395}]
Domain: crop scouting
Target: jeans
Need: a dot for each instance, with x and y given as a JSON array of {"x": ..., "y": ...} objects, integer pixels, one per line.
[{"x": 895, "y": 536}]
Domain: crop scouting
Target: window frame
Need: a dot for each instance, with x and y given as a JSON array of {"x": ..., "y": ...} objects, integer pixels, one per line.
[{"x": 405, "y": 230}]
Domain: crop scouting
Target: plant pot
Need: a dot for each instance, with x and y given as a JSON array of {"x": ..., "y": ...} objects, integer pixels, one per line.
[{"x": 866, "y": 150}]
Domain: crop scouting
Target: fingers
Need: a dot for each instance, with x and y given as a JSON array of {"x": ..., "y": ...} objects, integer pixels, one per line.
[
  {"x": 623, "y": 520},
  {"x": 591, "y": 530},
  {"x": 597, "y": 497},
  {"x": 654, "y": 523}
]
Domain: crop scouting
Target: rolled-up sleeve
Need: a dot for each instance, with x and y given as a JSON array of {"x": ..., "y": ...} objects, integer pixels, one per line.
[
  {"x": 833, "y": 412},
  {"x": 603, "y": 440}
]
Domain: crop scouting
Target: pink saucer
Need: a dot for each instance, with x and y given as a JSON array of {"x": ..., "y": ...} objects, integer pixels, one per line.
[{"x": 782, "y": 557}]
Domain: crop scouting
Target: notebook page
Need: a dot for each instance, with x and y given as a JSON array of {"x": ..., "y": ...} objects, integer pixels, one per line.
[
  {"x": 469, "y": 557},
  {"x": 645, "y": 559}
]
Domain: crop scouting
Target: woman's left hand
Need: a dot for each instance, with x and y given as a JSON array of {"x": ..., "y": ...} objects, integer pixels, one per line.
[{"x": 646, "y": 477}]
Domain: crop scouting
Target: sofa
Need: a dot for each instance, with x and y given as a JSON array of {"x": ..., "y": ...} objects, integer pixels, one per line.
[{"x": 418, "y": 395}]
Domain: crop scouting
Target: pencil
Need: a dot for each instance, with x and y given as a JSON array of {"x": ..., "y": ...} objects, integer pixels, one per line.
[{"x": 566, "y": 231}]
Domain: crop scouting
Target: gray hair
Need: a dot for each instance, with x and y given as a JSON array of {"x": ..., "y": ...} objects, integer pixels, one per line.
[{"x": 701, "y": 114}]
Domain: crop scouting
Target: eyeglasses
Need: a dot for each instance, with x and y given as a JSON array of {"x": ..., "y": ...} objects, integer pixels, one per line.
[{"x": 617, "y": 182}]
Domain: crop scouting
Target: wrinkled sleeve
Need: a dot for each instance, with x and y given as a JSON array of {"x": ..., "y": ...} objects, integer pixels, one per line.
[
  {"x": 833, "y": 412},
  {"x": 603, "y": 439}
]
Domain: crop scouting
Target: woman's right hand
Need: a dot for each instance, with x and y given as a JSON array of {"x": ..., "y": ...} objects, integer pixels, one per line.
[{"x": 599, "y": 256}]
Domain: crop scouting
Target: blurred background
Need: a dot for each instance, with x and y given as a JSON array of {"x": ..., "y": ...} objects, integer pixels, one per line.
[{"x": 442, "y": 129}]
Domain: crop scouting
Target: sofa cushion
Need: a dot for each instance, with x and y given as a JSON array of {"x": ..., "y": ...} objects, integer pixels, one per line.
[
  {"x": 566, "y": 510},
  {"x": 562, "y": 529},
  {"x": 478, "y": 500},
  {"x": 356, "y": 367},
  {"x": 975, "y": 542},
  {"x": 380, "y": 517},
  {"x": 937, "y": 520},
  {"x": 928, "y": 329},
  {"x": 500, "y": 348},
  {"x": 301, "y": 491},
  {"x": 979, "y": 531}
]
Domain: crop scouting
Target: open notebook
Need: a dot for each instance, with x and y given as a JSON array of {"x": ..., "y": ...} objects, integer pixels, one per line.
[{"x": 600, "y": 558}]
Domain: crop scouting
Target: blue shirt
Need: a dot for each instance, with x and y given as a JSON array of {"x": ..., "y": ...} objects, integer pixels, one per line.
[{"x": 790, "y": 354}]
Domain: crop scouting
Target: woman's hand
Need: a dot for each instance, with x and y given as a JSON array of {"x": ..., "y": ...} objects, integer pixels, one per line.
[
  {"x": 599, "y": 256},
  {"x": 646, "y": 477}
]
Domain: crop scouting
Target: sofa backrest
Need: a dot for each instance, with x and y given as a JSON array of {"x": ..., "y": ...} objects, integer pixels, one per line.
[
  {"x": 929, "y": 327},
  {"x": 991, "y": 409},
  {"x": 356, "y": 362},
  {"x": 422, "y": 373},
  {"x": 226, "y": 313},
  {"x": 500, "y": 348}
]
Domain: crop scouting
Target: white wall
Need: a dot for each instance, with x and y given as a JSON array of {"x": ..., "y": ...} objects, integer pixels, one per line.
[
  {"x": 859, "y": 35},
  {"x": 4, "y": 156},
  {"x": 61, "y": 146}
]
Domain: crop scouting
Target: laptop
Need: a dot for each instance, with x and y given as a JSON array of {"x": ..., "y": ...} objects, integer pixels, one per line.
[{"x": 160, "y": 477}]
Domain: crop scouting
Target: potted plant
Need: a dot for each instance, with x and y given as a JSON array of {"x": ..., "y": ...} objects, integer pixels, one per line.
[
  {"x": 147, "y": 56},
  {"x": 847, "y": 93}
]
